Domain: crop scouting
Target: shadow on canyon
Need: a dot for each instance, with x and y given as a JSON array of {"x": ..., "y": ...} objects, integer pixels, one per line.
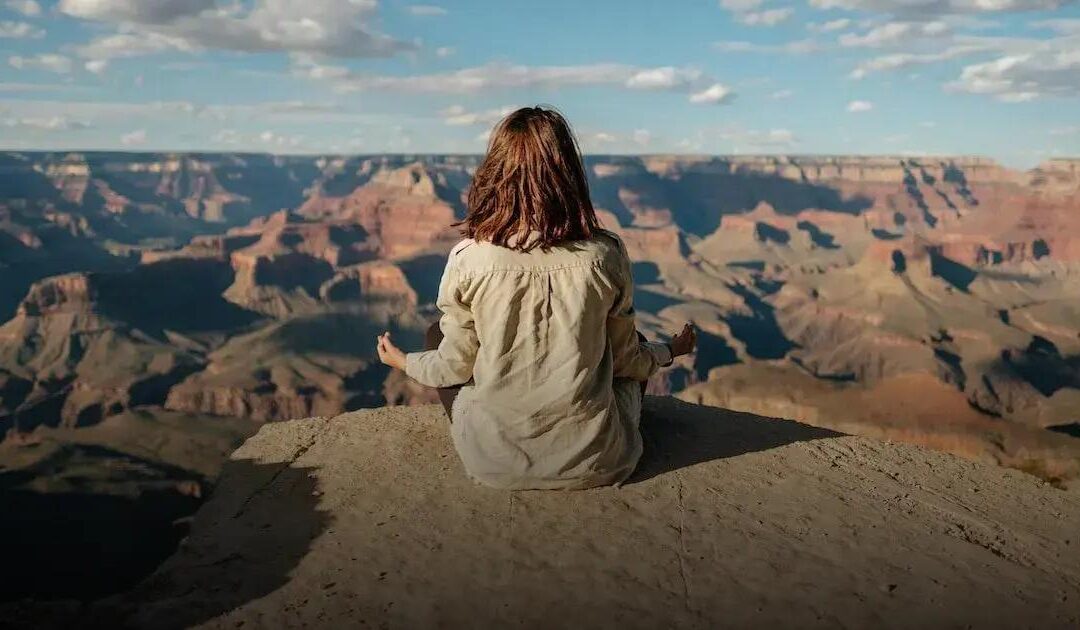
[{"x": 698, "y": 200}]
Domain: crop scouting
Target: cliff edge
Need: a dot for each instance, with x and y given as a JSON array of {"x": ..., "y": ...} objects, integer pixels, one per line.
[{"x": 732, "y": 520}]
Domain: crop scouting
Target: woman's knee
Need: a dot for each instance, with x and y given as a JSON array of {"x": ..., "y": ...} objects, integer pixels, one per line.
[{"x": 433, "y": 337}]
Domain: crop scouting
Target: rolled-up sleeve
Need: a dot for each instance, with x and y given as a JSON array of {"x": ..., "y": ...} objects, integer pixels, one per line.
[
  {"x": 633, "y": 358},
  {"x": 452, "y": 362}
]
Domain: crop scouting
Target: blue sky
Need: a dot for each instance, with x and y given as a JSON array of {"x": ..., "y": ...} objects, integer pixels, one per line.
[{"x": 999, "y": 78}]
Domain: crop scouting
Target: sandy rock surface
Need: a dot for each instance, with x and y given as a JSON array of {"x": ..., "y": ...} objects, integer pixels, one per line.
[{"x": 366, "y": 520}]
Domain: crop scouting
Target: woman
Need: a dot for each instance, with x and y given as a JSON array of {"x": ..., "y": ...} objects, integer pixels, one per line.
[{"x": 539, "y": 364}]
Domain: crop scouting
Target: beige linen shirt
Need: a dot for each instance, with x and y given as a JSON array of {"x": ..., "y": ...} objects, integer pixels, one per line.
[{"x": 546, "y": 344}]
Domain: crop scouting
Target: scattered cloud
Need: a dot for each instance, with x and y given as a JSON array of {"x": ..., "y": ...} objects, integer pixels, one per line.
[
  {"x": 769, "y": 17},
  {"x": 1023, "y": 77},
  {"x": 496, "y": 76},
  {"x": 457, "y": 115},
  {"x": 751, "y": 12},
  {"x": 19, "y": 30},
  {"x": 34, "y": 87},
  {"x": 96, "y": 66},
  {"x": 903, "y": 60},
  {"x": 28, "y": 8},
  {"x": 1066, "y": 26},
  {"x": 601, "y": 137},
  {"x": 857, "y": 107},
  {"x": 830, "y": 26},
  {"x": 895, "y": 33},
  {"x": 133, "y": 44},
  {"x": 275, "y": 140},
  {"x": 780, "y": 95},
  {"x": 48, "y": 62},
  {"x": 443, "y": 52},
  {"x": 642, "y": 137},
  {"x": 134, "y": 139},
  {"x": 52, "y": 123},
  {"x": 939, "y": 7},
  {"x": 715, "y": 94},
  {"x": 740, "y": 6},
  {"x": 797, "y": 47},
  {"x": 753, "y": 139},
  {"x": 324, "y": 27},
  {"x": 135, "y": 11},
  {"x": 426, "y": 10},
  {"x": 665, "y": 78}
]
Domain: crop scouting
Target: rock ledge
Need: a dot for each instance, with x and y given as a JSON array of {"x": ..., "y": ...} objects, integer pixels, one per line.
[{"x": 733, "y": 520}]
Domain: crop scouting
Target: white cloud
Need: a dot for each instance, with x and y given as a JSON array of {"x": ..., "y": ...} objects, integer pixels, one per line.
[
  {"x": 507, "y": 76},
  {"x": 751, "y": 13},
  {"x": 754, "y": 139},
  {"x": 48, "y": 62},
  {"x": 134, "y": 139},
  {"x": 1067, "y": 26},
  {"x": 29, "y": 8},
  {"x": 457, "y": 115},
  {"x": 715, "y": 94},
  {"x": 642, "y": 137},
  {"x": 52, "y": 123},
  {"x": 226, "y": 136},
  {"x": 1071, "y": 130},
  {"x": 664, "y": 78},
  {"x": 327, "y": 27},
  {"x": 305, "y": 65},
  {"x": 903, "y": 60},
  {"x": 19, "y": 30},
  {"x": 830, "y": 26},
  {"x": 426, "y": 10},
  {"x": 34, "y": 87},
  {"x": 894, "y": 33},
  {"x": 96, "y": 66},
  {"x": 857, "y": 107},
  {"x": 490, "y": 76},
  {"x": 781, "y": 95},
  {"x": 132, "y": 44},
  {"x": 278, "y": 141},
  {"x": 797, "y": 47},
  {"x": 443, "y": 52},
  {"x": 740, "y": 6},
  {"x": 939, "y": 7},
  {"x": 135, "y": 11},
  {"x": 770, "y": 17},
  {"x": 1023, "y": 77}
]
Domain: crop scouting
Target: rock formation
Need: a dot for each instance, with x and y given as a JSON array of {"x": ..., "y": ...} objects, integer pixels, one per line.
[{"x": 731, "y": 520}]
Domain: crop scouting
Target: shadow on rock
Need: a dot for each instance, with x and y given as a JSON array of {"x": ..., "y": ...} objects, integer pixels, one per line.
[
  {"x": 269, "y": 516},
  {"x": 679, "y": 434}
]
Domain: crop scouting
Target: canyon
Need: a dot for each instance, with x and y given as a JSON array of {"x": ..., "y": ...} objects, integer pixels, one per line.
[{"x": 159, "y": 308}]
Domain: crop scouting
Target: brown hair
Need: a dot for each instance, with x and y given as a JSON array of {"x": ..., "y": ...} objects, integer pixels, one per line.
[{"x": 532, "y": 178}]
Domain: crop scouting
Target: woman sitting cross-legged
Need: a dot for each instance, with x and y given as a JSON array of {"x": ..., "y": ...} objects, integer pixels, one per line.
[{"x": 537, "y": 358}]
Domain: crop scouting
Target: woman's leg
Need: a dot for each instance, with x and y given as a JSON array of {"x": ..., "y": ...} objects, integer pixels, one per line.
[{"x": 447, "y": 395}]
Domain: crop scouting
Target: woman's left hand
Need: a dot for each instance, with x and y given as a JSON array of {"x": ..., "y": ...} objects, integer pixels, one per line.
[{"x": 389, "y": 353}]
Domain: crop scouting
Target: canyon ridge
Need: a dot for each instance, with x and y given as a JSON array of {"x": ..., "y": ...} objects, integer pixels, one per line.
[{"x": 159, "y": 308}]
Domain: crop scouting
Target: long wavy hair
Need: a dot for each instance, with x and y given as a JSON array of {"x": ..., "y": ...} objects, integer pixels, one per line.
[{"x": 530, "y": 190}]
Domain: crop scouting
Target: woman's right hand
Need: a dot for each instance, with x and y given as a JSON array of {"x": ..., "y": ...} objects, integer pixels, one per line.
[{"x": 684, "y": 341}]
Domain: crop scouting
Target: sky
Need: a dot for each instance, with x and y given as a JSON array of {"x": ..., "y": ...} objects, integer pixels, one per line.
[{"x": 998, "y": 78}]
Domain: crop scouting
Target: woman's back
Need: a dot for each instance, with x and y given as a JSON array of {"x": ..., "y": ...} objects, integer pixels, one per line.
[
  {"x": 538, "y": 323},
  {"x": 548, "y": 407}
]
